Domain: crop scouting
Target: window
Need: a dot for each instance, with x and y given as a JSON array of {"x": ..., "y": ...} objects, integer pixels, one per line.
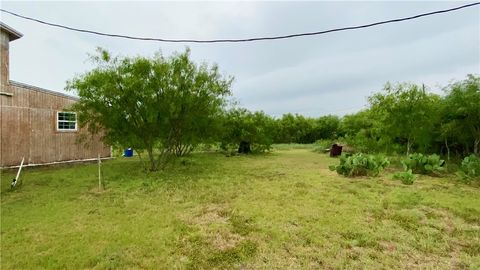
[{"x": 66, "y": 121}]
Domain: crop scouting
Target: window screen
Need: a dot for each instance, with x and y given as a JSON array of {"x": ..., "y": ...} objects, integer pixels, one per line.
[{"x": 66, "y": 121}]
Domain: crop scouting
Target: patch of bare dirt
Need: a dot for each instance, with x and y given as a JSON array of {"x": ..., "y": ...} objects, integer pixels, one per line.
[{"x": 213, "y": 222}]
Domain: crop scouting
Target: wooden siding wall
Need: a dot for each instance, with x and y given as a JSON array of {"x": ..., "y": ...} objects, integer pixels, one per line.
[{"x": 28, "y": 129}]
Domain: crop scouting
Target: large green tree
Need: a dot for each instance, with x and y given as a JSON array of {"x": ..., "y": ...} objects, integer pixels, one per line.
[
  {"x": 247, "y": 131},
  {"x": 292, "y": 128},
  {"x": 326, "y": 127},
  {"x": 407, "y": 113},
  {"x": 461, "y": 114},
  {"x": 300, "y": 129},
  {"x": 363, "y": 131},
  {"x": 161, "y": 105}
]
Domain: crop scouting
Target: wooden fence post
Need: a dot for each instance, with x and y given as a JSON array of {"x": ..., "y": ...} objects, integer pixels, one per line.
[{"x": 99, "y": 174}]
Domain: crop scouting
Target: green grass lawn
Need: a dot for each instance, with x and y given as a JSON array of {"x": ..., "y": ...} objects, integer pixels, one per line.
[{"x": 279, "y": 210}]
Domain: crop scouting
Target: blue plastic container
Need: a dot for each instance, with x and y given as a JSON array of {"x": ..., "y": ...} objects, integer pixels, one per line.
[{"x": 128, "y": 152}]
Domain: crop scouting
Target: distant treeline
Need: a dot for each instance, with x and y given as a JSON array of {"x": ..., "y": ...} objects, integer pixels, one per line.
[
  {"x": 403, "y": 118},
  {"x": 167, "y": 106}
]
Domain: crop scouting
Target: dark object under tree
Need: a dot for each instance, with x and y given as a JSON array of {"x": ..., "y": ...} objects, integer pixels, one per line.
[
  {"x": 244, "y": 147},
  {"x": 335, "y": 150}
]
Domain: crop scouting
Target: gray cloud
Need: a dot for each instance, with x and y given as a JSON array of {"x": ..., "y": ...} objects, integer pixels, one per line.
[{"x": 314, "y": 76}]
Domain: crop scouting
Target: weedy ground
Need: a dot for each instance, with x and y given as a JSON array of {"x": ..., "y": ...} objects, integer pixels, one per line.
[{"x": 283, "y": 210}]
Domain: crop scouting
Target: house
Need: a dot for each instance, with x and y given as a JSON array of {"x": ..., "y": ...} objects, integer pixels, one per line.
[{"x": 35, "y": 123}]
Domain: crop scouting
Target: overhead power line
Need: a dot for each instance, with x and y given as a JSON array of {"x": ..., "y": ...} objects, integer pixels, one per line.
[{"x": 243, "y": 39}]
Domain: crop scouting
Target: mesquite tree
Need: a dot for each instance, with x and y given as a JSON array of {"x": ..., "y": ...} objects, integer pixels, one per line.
[
  {"x": 407, "y": 113},
  {"x": 247, "y": 131},
  {"x": 461, "y": 116},
  {"x": 164, "y": 106}
]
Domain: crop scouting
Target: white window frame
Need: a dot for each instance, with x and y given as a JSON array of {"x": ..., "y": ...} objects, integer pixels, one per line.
[{"x": 64, "y": 129}]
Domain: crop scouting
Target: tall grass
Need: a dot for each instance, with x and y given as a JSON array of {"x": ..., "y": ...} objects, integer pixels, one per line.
[{"x": 282, "y": 210}]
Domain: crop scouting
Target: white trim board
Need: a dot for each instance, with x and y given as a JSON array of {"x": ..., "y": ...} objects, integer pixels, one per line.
[
  {"x": 57, "y": 162},
  {"x": 8, "y": 94}
]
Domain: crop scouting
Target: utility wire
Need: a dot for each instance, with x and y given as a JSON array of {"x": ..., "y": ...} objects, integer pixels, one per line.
[{"x": 245, "y": 39}]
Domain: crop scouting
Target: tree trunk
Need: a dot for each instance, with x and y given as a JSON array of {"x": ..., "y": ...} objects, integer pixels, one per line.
[
  {"x": 183, "y": 149},
  {"x": 448, "y": 148},
  {"x": 151, "y": 157},
  {"x": 164, "y": 157},
  {"x": 408, "y": 146},
  {"x": 475, "y": 146}
]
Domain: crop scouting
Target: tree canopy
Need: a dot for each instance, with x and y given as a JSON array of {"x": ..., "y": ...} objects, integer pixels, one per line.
[
  {"x": 249, "y": 131},
  {"x": 461, "y": 114},
  {"x": 166, "y": 106},
  {"x": 407, "y": 113},
  {"x": 151, "y": 103}
]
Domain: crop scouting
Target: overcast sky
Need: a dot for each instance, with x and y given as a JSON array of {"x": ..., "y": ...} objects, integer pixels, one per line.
[{"x": 318, "y": 75}]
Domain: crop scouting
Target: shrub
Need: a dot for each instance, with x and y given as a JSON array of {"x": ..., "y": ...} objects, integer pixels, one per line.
[
  {"x": 423, "y": 164},
  {"x": 324, "y": 143},
  {"x": 470, "y": 169},
  {"x": 246, "y": 131},
  {"x": 320, "y": 146},
  {"x": 360, "y": 164},
  {"x": 406, "y": 177}
]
